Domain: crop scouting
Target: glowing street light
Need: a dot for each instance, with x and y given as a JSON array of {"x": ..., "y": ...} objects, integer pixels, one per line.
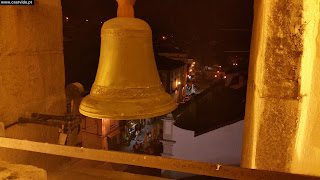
[{"x": 164, "y": 37}]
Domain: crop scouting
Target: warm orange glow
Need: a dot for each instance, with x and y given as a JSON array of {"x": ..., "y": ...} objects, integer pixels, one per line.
[
  {"x": 218, "y": 71},
  {"x": 225, "y": 77},
  {"x": 164, "y": 37},
  {"x": 179, "y": 83},
  {"x": 215, "y": 76}
]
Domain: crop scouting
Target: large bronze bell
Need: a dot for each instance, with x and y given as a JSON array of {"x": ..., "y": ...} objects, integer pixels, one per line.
[{"x": 127, "y": 84}]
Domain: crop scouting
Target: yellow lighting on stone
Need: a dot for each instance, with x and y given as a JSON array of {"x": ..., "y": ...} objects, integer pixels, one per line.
[{"x": 281, "y": 130}]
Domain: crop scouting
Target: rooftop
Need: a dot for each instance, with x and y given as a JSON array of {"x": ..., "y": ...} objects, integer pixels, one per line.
[
  {"x": 168, "y": 49},
  {"x": 164, "y": 63},
  {"x": 215, "y": 107}
]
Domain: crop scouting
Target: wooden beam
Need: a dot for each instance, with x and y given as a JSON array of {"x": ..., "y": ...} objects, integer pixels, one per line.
[{"x": 192, "y": 167}]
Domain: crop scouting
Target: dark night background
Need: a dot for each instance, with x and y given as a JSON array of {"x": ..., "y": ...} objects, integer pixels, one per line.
[{"x": 204, "y": 29}]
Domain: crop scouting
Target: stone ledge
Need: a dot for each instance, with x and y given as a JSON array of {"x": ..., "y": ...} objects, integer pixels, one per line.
[{"x": 21, "y": 172}]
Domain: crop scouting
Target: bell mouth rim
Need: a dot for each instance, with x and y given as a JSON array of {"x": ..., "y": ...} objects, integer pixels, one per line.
[
  {"x": 130, "y": 117},
  {"x": 126, "y": 109},
  {"x": 150, "y": 115}
]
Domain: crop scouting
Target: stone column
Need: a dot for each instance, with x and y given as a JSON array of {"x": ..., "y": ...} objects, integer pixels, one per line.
[
  {"x": 31, "y": 56},
  {"x": 31, "y": 73},
  {"x": 281, "y": 131},
  {"x": 167, "y": 139}
]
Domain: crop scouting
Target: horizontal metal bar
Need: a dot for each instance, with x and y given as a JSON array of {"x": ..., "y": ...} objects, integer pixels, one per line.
[
  {"x": 192, "y": 167},
  {"x": 54, "y": 117},
  {"x": 36, "y": 121}
]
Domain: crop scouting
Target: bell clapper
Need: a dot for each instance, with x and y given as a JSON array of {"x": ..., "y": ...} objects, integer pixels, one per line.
[{"x": 125, "y": 8}]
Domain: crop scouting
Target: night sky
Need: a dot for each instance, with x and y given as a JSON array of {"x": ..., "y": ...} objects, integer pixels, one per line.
[{"x": 204, "y": 29}]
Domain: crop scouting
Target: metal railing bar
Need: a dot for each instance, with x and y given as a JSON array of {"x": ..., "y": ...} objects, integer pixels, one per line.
[{"x": 192, "y": 167}]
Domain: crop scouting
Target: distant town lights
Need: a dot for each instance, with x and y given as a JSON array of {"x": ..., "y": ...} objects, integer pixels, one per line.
[
  {"x": 87, "y": 20},
  {"x": 215, "y": 76},
  {"x": 164, "y": 37},
  {"x": 67, "y": 19}
]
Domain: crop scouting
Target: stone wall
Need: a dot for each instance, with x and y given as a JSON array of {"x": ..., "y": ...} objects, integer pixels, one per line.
[
  {"x": 31, "y": 56},
  {"x": 31, "y": 73}
]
